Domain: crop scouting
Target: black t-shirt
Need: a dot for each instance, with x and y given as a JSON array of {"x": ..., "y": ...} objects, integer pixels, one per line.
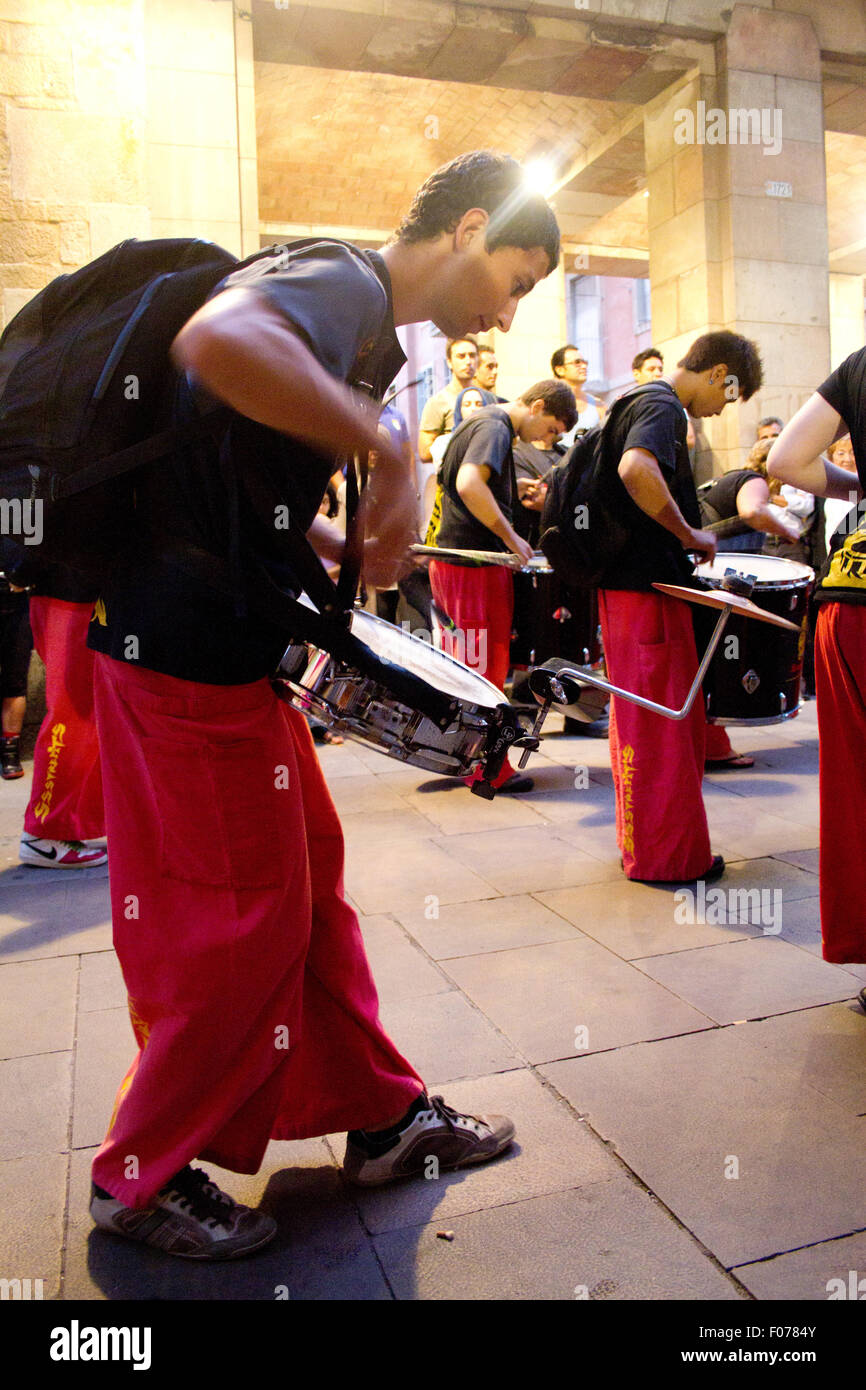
[
  {"x": 485, "y": 438},
  {"x": 653, "y": 420},
  {"x": 534, "y": 464},
  {"x": 722, "y": 496},
  {"x": 339, "y": 302},
  {"x": 844, "y": 577}
]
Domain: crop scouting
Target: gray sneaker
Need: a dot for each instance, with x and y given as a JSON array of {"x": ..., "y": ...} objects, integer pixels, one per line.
[
  {"x": 438, "y": 1132},
  {"x": 190, "y": 1217}
]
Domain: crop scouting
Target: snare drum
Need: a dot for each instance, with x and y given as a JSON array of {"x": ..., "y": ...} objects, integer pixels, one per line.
[
  {"x": 366, "y": 709},
  {"x": 550, "y": 620},
  {"x": 756, "y": 680}
]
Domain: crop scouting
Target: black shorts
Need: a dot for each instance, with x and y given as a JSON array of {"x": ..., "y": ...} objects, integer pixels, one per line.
[{"x": 16, "y": 644}]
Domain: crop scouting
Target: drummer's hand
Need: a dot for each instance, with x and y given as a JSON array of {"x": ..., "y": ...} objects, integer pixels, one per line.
[
  {"x": 391, "y": 524},
  {"x": 703, "y": 543},
  {"x": 532, "y": 494},
  {"x": 522, "y": 548}
]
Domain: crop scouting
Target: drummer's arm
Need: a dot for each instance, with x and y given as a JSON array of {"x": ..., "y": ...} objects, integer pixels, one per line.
[
  {"x": 327, "y": 539},
  {"x": 479, "y": 500},
  {"x": 755, "y": 509},
  {"x": 643, "y": 481},
  {"x": 796, "y": 455}
]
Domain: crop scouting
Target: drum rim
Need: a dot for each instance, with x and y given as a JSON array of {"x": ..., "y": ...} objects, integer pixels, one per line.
[
  {"x": 791, "y": 582},
  {"x": 438, "y": 657}
]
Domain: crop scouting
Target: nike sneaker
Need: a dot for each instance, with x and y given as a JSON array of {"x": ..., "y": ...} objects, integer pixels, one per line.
[{"x": 59, "y": 854}]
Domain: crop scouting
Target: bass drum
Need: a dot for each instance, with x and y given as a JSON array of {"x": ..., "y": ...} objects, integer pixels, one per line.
[
  {"x": 551, "y": 620},
  {"x": 756, "y": 678}
]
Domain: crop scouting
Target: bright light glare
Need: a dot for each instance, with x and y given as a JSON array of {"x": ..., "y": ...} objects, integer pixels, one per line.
[{"x": 539, "y": 175}]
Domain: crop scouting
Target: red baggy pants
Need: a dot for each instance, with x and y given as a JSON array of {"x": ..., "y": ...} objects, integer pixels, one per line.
[
  {"x": 249, "y": 990},
  {"x": 479, "y": 600},
  {"x": 66, "y": 800},
  {"x": 658, "y": 763},
  {"x": 840, "y": 682}
]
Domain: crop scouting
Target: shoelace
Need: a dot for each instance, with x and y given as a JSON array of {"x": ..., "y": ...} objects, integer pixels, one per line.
[
  {"x": 449, "y": 1115},
  {"x": 202, "y": 1197}
]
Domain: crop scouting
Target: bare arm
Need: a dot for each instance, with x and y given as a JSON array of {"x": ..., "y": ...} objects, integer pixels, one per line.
[
  {"x": 476, "y": 495},
  {"x": 425, "y": 443},
  {"x": 643, "y": 481},
  {"x": 795, "y": 456},
  {"x": 247, "y": 354},
  {"x": 753, "y": 505}
]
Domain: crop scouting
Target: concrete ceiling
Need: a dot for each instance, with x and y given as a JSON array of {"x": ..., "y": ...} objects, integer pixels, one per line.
[{"x": 358, "y": 101}]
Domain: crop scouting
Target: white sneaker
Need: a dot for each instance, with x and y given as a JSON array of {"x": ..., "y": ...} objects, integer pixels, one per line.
[
  {"x": 191, "y": 1217},
  {"x": 59, "y": 854}
]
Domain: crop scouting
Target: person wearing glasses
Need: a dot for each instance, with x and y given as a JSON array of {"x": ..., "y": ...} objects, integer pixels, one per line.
[{"x": 569, "y": 365}]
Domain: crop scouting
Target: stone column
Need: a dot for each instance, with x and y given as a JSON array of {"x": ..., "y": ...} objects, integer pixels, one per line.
[
  {"x": 737, "y": 214},
  {"x": 846, "y": 316},
  {"x": 201, "y": 158},
  {"x": 72, "y": 149}
]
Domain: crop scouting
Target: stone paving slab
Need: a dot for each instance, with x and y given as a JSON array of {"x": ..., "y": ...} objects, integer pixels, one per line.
[
  {"x": 321, "y": 1250},
  {"x": 524, "y": 861},
  {"x": 455, "y": 811},
  {"x": 416, "y": 871},
  {"x": 32, "y": 1206},
  {"x": 444, "y": 1037},
  {"x": 35, "y": 1097},
  {"x": 606, "y": 1240},
  {"x": 37, "y": 1006},
  {"x": 635, "y": 920},
  {"x": 685, "y": 1112},
  {"x": 400, "y": 969},
  {"x": 540, "y": 996},
  {"x": 499, "y": 924},
  {"x": 106, "y": 1047},
  {"x": 51, "y": 916},
  {"x": 101, "y": 983},
  {"x": 553, "y": 1152},
  {"x": 749, "y": 979},
  {"x": 834, "y": 1268}
]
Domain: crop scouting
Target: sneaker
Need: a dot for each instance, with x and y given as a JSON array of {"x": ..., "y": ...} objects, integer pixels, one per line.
[
  {"x": 191, "y": 1217},
  {"x": 10, "y": 757},
  {"x": 431, "y": 1130},
  {"x": 60, "y": 854}
]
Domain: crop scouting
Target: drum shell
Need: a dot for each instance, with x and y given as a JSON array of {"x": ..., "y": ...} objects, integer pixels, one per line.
[
  {"x": 537, "y": 635},
  {"x": 772, "y": 656}
]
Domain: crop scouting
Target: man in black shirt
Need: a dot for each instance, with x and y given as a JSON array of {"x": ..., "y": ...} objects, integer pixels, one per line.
[
  {"x": 473, "y": 511},
  {"x": 648, "y": 638},
  {"x": 249, "y": 992}
]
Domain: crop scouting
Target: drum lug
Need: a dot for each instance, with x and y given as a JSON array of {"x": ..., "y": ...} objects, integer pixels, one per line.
[
  {"x": 750, "y": 682},
  {"x": 783, "y": 701}
]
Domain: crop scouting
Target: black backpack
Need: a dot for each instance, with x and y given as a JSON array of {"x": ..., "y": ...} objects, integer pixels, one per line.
[
  {"x": 582, "y": 530},
  {"x": 84, "y": 369}
]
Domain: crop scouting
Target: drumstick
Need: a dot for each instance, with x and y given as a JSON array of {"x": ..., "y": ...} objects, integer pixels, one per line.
[{"x": 477, "y": 557}]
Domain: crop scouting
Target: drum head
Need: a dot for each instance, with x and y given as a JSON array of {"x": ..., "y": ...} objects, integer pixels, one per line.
[
  {"x": 415, "y": 655},
  {"x": 767, "y": 569}
]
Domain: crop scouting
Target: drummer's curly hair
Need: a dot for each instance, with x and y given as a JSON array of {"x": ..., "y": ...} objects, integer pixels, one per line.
[
  {"x": 494, "y": 182},
  {"x": 740, "y": 355}
]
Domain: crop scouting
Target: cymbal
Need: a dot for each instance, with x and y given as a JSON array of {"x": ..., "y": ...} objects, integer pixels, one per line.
[{"x": 720, "y": 598}]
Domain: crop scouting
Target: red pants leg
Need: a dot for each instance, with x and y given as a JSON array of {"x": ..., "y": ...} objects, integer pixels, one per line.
[
  {"x": 249, "y": 992},
  {"x": 657, "y": 763},
  {"x": 840, "y": 680},
  {"x": 66, "y": 800},
  {"x": 480, "y": 603},
  {"x": 718, "y": 743}
]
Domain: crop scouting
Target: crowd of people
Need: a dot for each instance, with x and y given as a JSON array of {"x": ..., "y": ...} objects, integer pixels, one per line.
[{"x": 250, "y": 996}]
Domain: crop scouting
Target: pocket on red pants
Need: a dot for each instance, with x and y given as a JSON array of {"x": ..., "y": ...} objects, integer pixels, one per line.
[{"x": 221, "y": 813}]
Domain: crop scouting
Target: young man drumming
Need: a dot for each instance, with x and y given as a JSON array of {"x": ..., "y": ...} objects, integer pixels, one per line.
[{"x": 250, "y": 994}]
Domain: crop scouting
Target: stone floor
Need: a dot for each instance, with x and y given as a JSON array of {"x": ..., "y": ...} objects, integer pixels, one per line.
[{"x": 686, "y": 1091}]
